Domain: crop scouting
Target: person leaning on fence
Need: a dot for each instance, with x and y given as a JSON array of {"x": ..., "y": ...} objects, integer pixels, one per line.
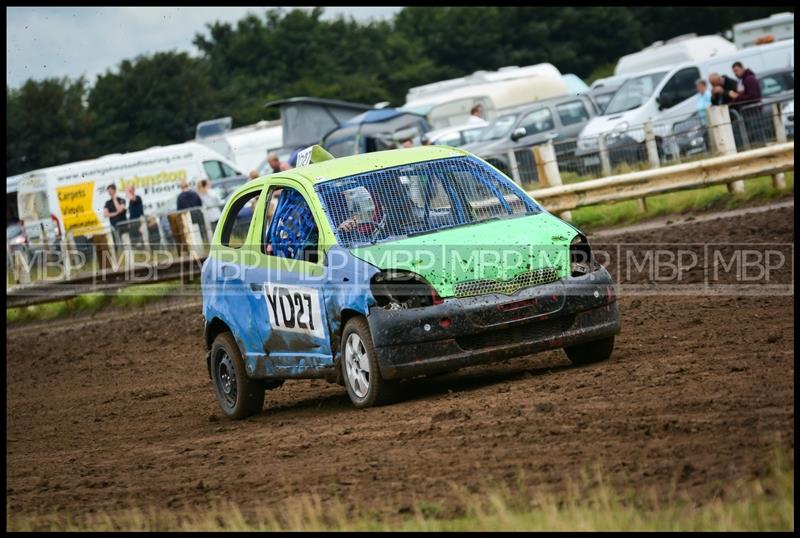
[
  {"x": 703, "y": 99},
  {"x": 211, "y": 201},
  {"x": 723, "y": 89},
  {"x": 114, "y": 209}
]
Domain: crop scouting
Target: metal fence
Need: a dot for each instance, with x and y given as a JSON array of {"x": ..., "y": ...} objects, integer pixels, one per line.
[
  {"x": 670, "y": 140},
  {"x": 151, "y": 239}
]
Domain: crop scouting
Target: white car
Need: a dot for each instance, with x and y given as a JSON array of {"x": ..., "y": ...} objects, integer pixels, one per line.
[{"x": 455, "y": 136}]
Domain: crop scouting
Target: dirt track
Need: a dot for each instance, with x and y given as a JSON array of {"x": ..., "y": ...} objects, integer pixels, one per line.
[{"x": 698, "y": 391}]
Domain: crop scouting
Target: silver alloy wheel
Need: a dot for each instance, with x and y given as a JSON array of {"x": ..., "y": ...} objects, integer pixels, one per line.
[{"x": 356, "y": 364}]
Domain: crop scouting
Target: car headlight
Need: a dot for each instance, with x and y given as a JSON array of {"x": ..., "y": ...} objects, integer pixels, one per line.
[
  {"x": 581, "y": 260},
  {"x": 620, "y": 127}
]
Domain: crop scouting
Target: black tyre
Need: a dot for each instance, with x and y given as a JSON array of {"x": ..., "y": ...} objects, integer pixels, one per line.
[
  {"x": 588, "y": 352},
  {"x": 238, "y": 395},
  {"x": 360, "y": 371}
]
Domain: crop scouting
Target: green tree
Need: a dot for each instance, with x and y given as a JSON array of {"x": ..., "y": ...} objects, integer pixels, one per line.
[
  {"x": 47, "y": 123},
  {"x": 152, "y": 100}
]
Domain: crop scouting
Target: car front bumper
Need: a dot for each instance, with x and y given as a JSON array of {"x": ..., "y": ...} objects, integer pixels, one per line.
[{"x": 490, "y": 328}]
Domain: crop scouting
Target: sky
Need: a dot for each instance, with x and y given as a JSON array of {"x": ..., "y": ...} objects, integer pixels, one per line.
[{"x": 55, "y": 42}]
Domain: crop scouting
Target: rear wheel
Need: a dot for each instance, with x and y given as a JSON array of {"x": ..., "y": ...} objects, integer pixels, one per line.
[
  {"x": 360, "y": 371},
  {"x": 238, "y": 395},
  {"x": 588, "y": 352}
]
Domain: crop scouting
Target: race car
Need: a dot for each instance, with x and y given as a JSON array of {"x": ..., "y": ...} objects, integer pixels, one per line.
[{"x": 369, "y": 269}]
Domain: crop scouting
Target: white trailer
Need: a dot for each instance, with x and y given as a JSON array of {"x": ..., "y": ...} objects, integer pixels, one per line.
[
  {"x": 247, "y": 146},
  {"x": 448, "y": 102},
  {"x": 776, "y": 27}
]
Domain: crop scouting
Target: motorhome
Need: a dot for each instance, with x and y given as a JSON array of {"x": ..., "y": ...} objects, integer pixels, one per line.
[
  {"x": 666, "y": 96},
  {"x": 449, "y": 102},
  {"x": 776, "y": 27},
  {"x": 246, "y": 146},
  {"x": 70, "y": 197},
  {"x": 680, "y": 49}
]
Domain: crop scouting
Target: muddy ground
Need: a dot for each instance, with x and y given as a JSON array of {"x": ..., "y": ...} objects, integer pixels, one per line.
[{"x": 102, "y": 414}]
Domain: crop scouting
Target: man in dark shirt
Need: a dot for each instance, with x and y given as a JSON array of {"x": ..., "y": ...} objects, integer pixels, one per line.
[
  {"x": 723, "y": 89},
  {"x": 135, "y": 211},
  {"x": 188, "y": 198},
  {"x": 135, "y": 206},
  {"x": 114, "y": 209}
]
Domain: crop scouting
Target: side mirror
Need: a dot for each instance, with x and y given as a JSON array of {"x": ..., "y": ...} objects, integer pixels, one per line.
[{"x": 518, "y": 133}]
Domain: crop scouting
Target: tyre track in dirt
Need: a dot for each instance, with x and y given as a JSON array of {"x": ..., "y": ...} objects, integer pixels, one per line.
[{"x": 697, "y": 393}]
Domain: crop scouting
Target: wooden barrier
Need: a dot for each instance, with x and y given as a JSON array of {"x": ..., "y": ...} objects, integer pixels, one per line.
[{"x": 714, "y": 171}]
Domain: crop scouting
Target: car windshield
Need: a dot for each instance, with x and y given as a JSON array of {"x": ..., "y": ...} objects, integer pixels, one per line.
[
  {"x": 499, "y": 127},
  {"x": 634, "y": 93},
  {"x": 419, "y": 198}
]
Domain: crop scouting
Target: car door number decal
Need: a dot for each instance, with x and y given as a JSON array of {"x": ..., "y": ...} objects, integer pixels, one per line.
[{"x": 294, "y": 309}]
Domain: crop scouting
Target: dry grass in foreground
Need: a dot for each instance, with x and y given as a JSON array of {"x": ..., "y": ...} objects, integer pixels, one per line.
[{"x": 760, "y": 505}]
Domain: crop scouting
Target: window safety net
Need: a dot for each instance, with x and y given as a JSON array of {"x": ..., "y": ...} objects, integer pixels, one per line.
[
  {"x": 292, "y": 229},
  {"x": 419, "y": 198}
]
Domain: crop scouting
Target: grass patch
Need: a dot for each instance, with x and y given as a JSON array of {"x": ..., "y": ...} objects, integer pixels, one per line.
[
  {"x": 136, "y": 296},
  {"x": 711, "y": 198},
  {"x": 760, "y": 505}
]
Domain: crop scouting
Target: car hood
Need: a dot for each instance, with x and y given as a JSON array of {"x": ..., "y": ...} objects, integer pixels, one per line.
[{"x": 497, "y": 250}]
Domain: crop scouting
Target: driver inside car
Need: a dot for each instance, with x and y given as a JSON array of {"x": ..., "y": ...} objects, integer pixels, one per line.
[{"x": 363, "y": 212}]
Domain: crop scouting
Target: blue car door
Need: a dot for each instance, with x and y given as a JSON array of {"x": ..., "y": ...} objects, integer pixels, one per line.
[{"x": 285, "y": 284}]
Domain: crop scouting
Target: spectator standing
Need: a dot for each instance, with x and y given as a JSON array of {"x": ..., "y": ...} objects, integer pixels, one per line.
[
  {"x": 135, "y": 205},
  {"x": 188, "y": 198},
  {"x": 135, "y": 211},
  {"x": 703, "y": 100},
  {"x": 211, "y": 201},
  {"x": 748, "y": 90},
  {"x": 274, "y": 162},
  {"x": 476, "y": 116},
  {"x": 114, "y": 209}
]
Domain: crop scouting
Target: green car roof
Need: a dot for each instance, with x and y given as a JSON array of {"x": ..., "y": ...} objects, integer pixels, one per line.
[{"x": 366, "y": 162}]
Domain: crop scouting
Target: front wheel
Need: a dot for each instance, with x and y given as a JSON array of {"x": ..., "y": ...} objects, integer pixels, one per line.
[
  {"x": 238, "y": 395},
  {"x": 588, "y": 352},
  {"x": 361, "y": 374}
]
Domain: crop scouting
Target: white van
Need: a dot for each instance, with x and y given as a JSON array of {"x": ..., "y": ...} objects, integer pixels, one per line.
[
  {"x": 449, "y": 102},
  {"x": 70, "y": 197},
  {"x": 247, "y": 146},
  {"x": 680, "y": 49},
  {"x": 667, "y": 96}
]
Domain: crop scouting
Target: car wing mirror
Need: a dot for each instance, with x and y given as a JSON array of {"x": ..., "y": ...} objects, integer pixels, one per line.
[{"x": 518, "y": 133}]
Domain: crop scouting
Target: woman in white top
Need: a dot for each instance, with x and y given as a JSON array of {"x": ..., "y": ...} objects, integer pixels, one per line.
[{"x": 211, "y": 201}]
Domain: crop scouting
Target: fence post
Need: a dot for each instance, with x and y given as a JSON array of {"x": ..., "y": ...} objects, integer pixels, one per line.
[
  {"x": 512, "y": 163},
  {"x": 650, "y": 142},
  {"x": 104, "y": 243},
  {"x": 66, "y": 255},
  {"x": 719, "y": 123},
  {"x": 127, "y": 249},
  {"x": 778, "y": 180},
  {"x": 544, "y": 156},
  {"x": 22, "y": 270},
  {"x": 605, "y": 163}
]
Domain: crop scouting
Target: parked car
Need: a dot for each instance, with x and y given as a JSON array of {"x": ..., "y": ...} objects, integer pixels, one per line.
[
  {"x": 364, "y": 275},
  {"x": 561, "y": 118},
  {"x": 456, "y": 136}
]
